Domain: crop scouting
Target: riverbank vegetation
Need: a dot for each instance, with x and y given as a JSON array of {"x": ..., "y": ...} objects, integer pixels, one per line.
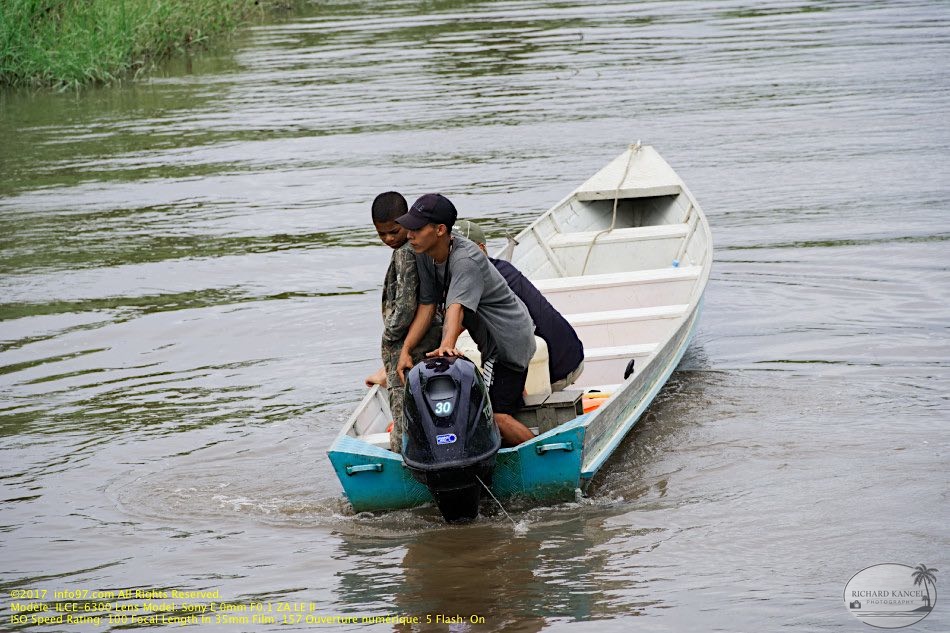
[{"x": 68, "y": 43}]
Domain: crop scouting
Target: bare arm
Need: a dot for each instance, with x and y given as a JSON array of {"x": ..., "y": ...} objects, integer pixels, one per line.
[
  {"x": 378, "y": 378},
  {"x": 451, "y": 329},
  {"x": 417, "y": 329}
]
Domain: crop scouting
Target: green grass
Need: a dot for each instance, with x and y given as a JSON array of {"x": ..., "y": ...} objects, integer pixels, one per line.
[{"x": 66, "y": 43}]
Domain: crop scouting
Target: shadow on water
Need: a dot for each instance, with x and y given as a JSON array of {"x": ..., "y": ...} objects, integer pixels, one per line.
[{"x": 555, "y": 565}]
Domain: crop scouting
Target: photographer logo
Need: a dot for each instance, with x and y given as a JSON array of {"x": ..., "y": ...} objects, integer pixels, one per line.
[{"x": 892, "y": 596}]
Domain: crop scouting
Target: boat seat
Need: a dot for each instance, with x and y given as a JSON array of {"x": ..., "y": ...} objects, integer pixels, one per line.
[
  {"x": 643, "y": 247},
  {"x": 603, "y": 365},
  {"x": 377, "y": 439},
  {"x": 594, "y": 354},
  {"x": 631, "y": 289},
  {"x": 609, "y": 280},
  {"x": 632, "y": 314},
  {"x": 609, "y": 328},
  {"x": 632, "y": 234}
]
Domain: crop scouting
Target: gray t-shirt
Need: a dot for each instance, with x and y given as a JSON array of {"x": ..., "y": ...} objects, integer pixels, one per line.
[{"x": 495, "y": 317}]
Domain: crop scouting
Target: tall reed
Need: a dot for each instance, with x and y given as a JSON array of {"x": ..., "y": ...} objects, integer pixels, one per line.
[{"x": 75, "y": 42}]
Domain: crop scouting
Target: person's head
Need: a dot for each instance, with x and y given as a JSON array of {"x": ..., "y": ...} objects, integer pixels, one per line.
[
  {"x": 386, "y": 208},
  {"x": 429, "y": 221},
  {"x": 471, "y": 231}
]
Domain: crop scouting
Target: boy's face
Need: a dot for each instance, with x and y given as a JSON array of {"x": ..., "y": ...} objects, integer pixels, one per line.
[
  {"x": 424, "y": 239},
  {"x": 391, "y": 233}
]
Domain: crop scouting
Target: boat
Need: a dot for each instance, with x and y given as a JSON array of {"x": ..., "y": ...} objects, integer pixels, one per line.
[{"x": 625, "y": 257}]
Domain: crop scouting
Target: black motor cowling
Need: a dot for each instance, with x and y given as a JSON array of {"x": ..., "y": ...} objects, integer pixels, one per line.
[{"x": 451, "y": 438}]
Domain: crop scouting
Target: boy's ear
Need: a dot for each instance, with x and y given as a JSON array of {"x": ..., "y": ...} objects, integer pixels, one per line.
[{"x": 441, "y": 230}]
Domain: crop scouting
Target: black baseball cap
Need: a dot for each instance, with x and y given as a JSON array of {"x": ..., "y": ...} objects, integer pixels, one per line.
[{"x": 432, "y": 208}]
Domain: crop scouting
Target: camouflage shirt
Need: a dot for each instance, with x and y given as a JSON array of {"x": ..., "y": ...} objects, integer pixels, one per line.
[
  {"x": 400, "y": 295},
  {"x": 400, "y": 299}
]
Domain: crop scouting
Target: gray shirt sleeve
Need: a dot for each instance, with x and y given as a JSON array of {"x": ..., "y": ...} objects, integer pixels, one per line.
[
  {"x": 467, "y": 284},
  {"x": 426, "y": 280}
]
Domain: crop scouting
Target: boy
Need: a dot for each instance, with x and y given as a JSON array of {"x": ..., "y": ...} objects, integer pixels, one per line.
[
  {"x": 400, "y": 297},
  {"x": 457, "y": 281}
]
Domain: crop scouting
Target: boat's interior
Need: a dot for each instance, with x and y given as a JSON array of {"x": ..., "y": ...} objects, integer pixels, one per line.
[
  {"x": 648, "y": 234},
  {"x": 624, "y": 283},
  {"x": 370, "y": 422}
]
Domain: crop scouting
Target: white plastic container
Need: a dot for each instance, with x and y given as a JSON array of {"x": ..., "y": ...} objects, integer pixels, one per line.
[{"x": 539, "y": 380}]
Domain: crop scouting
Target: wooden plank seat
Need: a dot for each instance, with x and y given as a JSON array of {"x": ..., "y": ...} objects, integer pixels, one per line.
[
  {"x": 626, "y": 290},
  {"x": 603, "y": 365},
  {"x": 624, "y": 235},
  {"x": 377, "y": 439},
  {"x": 640, "y": 247},
  {"x": 626, "y": 327}
]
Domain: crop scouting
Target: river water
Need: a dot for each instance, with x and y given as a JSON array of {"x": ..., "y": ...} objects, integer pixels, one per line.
[{"x": 189, "y": 290}]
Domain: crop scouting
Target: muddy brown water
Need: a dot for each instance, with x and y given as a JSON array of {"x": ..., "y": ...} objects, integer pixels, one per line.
[{"x": 189, "y": 292}]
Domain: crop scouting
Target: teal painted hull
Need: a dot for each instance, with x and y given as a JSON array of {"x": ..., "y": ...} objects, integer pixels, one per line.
[
  {"x": 549, "y": 467},
  {"x": 546, "y": 468}
]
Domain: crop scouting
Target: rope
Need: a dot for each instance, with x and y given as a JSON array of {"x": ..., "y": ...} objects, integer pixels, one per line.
[
  {"x": 634, "y": 149},
  {"x": 509, "y": 251},
  {"x": 487, "y": 489}
]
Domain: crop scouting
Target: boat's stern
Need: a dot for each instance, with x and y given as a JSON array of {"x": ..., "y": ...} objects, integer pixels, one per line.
[
  {"x": 546, "y": 467},
  {"x": 374, "y": 478}
]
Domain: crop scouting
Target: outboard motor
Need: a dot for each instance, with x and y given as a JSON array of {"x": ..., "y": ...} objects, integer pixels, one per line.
[{"x": 451, "y": 437}]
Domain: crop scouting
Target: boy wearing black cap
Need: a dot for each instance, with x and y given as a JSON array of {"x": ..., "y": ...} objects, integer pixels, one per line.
[
  {"x": 400, "y": 298},
  {"x": 456, "y": 280}
]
